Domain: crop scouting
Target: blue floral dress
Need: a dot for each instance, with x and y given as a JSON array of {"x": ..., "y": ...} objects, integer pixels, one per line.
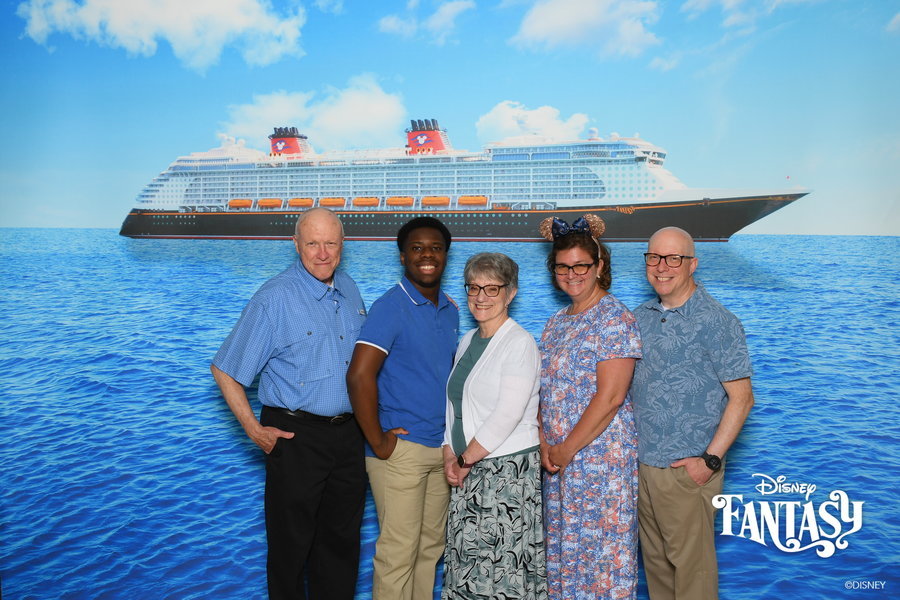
[{"x": 590, "y": 509}]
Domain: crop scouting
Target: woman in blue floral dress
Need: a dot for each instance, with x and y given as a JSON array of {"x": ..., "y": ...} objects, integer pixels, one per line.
[{"x": 588, "y": 440}]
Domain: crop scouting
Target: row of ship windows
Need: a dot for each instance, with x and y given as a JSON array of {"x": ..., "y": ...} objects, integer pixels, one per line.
[
  {"x": 506, "y": 194},
  {"x": 621, "y": 158},
  {"x": 380, "y": 172},
  {"x": 357, "y": 189},
  {"x": 499, "y": 197}
]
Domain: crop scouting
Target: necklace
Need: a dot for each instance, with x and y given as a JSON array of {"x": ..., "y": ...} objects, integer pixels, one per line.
[{"x": 593, "y": 299}]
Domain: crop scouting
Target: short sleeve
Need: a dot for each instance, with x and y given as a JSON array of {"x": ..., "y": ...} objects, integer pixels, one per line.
[
  {"x": 249, "y": 346},
  {"x": 726, "y": 345},
  {"x": 382, "y": 326},
  {"x": 619, "y": 336}
]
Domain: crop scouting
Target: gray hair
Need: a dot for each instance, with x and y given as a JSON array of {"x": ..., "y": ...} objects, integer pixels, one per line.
[{"x": 493, "y": 264}]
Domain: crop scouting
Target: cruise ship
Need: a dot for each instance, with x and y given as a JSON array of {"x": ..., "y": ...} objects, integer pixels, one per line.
[{"x": 500, "y": 193}]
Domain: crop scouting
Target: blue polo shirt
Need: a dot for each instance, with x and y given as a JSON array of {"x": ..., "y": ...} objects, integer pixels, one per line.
[
  {"x": 298, "y": 334},
  {"x": 419, "y": 339},
  {"x": 677, "y": 389}
]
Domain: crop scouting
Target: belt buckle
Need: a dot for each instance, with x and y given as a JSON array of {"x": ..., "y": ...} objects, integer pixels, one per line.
[{"x": 337, "y": 419}]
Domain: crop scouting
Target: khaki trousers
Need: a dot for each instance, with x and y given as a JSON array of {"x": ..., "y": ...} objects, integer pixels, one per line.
[
  {"x": 411, "y": 496},
  {"x": 676, "y": 526}
]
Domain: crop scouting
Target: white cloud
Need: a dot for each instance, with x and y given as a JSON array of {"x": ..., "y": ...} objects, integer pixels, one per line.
[
  {"x": 738, "y": 13},
  {"x": 197, "y": 30},
  {"x": 360, "y": 115},
  {"x": 512, "y": 119},
  {"x": 894, "y": 25},
  {"x": 439, "y": 26},
  {"x": 665, "y": 64},
  {"x": 442, "y": 23},
  {"x": 618, "y": 27},
  {"x": 333, "y": 6},
  {"x": 398, "y": 25}
]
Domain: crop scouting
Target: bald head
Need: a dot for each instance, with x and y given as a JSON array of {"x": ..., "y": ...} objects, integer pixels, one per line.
[
  {"x": 673, "y": 285},
  {"x": 318, "y": 214},
  {"x": 319, "y": 239},
  {"x": 673, "y": 235}
]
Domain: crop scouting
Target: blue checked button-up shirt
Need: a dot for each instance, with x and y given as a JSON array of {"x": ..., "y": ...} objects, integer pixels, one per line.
[
  {"x": 298, "y": 334},
  {"x": 677, "y": 388}
]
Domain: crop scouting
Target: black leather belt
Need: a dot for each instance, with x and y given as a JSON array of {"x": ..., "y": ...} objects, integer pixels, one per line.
[{"x": 308, "y": 416}]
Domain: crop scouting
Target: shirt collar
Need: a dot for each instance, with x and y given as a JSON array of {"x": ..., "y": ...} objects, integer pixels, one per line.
[
  {"x": 686, "y": 308},
  {"x": 413, "y": 293},
  {"x": 317, "y": 289}
]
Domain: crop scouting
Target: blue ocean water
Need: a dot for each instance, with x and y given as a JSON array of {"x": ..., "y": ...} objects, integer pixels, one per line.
[{"x": 125, "y": 475}]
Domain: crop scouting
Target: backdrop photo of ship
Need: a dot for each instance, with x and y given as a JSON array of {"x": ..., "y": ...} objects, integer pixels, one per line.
[{"x": 500, "y": 193}]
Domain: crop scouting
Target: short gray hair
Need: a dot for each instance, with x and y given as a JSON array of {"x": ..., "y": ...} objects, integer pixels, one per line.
[{"x": 493, "y": 264}]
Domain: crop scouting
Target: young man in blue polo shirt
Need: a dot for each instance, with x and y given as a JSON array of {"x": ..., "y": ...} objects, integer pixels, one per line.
[{"x": 397, "y": 381}]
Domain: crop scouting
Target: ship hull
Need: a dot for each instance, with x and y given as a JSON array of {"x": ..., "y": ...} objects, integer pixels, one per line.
[{"x": 706, "y": 219}]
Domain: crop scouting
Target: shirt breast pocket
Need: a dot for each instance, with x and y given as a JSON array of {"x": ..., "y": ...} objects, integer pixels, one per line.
[{"x": 310, "y": 355}]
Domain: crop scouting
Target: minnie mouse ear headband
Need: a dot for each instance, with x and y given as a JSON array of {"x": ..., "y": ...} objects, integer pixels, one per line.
[{"x": 552, "y": 228}]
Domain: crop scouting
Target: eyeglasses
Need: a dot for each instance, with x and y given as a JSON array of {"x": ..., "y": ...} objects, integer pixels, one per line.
[
  {"x": 490, "y": 290},
  {"x": 672, "y": 260},
  {"x": 579, "y": 269}
]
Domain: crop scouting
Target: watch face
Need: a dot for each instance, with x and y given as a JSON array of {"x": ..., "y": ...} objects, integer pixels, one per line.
[
  {"x": 713, "y": 462},
  {"x": 460, "y": 461}
]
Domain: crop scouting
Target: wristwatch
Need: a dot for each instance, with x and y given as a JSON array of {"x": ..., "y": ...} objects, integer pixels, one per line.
[
  {"x": 713, "y": 462},
  {"x": 462, "y": 462}
]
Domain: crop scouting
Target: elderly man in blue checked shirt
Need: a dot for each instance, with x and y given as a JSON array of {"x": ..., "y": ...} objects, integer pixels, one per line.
[
  {"x": 298, "y": 332},
  {"x": 691, "y": 393}
]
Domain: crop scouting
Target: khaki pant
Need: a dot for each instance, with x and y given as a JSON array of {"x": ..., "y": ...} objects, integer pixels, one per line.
[
  {"x": 676, "y": 525},
  {"x": 411, "y": 496}
]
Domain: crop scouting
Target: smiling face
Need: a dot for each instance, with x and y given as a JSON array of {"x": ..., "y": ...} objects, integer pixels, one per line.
[
  {"x": 489, "y": 312},
  {"x": 319, "y": 239},
  {"x": 578, "y": 287},
  {"x": 424, "y": 257},
  {"x": 673, "y": 285}
]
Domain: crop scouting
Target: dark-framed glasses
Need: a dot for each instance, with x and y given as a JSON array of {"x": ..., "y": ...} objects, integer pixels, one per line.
[
  {"x": 579, "y": 269},
  {"x": 672, "y": 260},
  {"x": 491, "y": 290}
]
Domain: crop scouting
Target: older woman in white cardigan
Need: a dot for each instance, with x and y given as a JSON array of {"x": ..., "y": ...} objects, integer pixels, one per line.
[{"x": 495, "y": 545}]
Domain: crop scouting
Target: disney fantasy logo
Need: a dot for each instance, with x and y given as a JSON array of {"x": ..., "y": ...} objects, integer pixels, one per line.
[{"x": 791, "y": 525}]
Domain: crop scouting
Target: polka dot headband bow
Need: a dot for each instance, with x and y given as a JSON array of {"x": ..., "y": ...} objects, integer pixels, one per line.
[{"x": 561, "y": 228}]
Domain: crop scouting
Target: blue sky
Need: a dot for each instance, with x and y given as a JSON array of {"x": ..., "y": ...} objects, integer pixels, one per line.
[{"x": 101, "y": 95}]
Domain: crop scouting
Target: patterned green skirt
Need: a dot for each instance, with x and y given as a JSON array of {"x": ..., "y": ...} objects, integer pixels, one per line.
[{"x": 495, "y": 537}]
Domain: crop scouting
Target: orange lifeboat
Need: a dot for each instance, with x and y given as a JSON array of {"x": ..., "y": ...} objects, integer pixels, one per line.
[
  {"x": 240, "y": 203},
  {"x": 332, "y": 202},
  {"x": 366, "y": 201},
  {"x": 300, "y": 202},
  {"x": 435, "y": 201},
  {"x": 473, "y": 200},
  {"x": 269, "y": 203},
  {"x": 400, "y": 201}
]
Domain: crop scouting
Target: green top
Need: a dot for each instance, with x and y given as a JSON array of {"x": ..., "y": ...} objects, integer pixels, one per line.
[{"x": 455, "y": 389}]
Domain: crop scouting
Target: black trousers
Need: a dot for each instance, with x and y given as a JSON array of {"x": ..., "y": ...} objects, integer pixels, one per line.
[{"x": 315, "y": 497}]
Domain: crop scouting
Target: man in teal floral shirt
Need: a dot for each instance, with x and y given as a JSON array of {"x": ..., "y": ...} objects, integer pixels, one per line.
[{"x": 691, "y": 393}]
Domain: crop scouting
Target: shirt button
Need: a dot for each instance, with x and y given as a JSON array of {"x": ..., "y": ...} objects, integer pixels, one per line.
[
  {"x": 663, "y": 319},
  {"x": 309, "y": 333},
  {"x": 342, "y": 337}
]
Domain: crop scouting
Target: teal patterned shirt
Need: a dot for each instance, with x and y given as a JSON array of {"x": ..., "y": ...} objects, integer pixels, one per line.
[{"x": 677, "y": 388}]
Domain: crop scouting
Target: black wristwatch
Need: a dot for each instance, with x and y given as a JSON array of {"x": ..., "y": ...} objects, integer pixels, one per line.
[
  {"x": 462, "y": 462},
  {"x": 713, "y": 462}
]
